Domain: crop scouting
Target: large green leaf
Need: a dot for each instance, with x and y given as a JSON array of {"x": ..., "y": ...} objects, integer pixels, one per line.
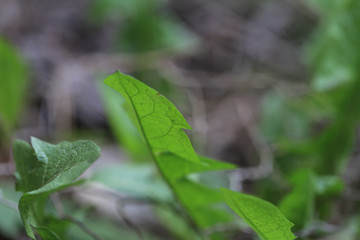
[
  {"x": 13, "y": 83},
  {"x": 47, "y": 168},
  {"x": 162, "y": 127},
  {"x": 262, "y": 216},
  {"x": 159, "y": 120}
]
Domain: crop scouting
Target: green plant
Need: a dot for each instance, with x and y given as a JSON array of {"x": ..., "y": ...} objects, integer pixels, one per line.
[
  {"x": 313, "y": 162},
  {"x": 161, "y": 125},
  {"x": 43, "y": 168}
]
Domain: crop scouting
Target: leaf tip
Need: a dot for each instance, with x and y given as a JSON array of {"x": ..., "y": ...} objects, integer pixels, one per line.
[{"x": 34, "y": 140}]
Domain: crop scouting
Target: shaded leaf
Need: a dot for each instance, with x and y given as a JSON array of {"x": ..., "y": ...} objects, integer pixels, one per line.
[
  {"x": 48, "y": 168},
  {"x": 46, "y": 233}
]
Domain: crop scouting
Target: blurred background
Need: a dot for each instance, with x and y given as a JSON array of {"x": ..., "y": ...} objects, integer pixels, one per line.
[{"x": 271, "y": 86}]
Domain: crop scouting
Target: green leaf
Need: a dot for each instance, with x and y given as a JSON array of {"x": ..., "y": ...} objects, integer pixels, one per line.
[
  {"x": 262, "y": 216},
  {"x": 55, "y": 226},
  {"x": 47, "y": 233},
  {"x": 159, "y": 120},
  {"x": 47, "y": 168},
  {"x": 13, "y": 82},
  {"x": 201, "y": 202},
  {"x": 162, "y": 127}
]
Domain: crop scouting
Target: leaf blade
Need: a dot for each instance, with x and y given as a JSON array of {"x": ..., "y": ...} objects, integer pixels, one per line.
[
  {"x": 51, "y": 168},
  {"x": 260, "y": 215},
  {"x": 159, "y": 120},
  {"x": 162, "y": 127}
]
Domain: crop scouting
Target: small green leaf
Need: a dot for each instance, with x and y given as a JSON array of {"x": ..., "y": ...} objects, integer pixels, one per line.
[
  {"x": 48, "y": 168},
  {"x": 263, "y": 217}
]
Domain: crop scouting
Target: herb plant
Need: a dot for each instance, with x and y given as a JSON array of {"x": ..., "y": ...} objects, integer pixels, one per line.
[
  {"x": 44, "y": 168},
  {"x": 161, "y": 125}
]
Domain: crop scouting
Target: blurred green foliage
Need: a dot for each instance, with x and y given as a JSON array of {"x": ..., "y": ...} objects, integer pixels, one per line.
[
  {"x": 314, "y": 132},
  {"x": 332, "y": 53},
  {"x": 13, "y": 83},
  {"x": 144, "y": 26},
  {"x": 161, "y": 125}
]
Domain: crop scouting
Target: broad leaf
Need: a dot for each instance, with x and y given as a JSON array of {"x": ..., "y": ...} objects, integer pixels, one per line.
[
  {"x": 162, "y": 127},
  {"x": 159, "y": 120},
  {"x": 47, "y": 168},
  {"x": 262, "y": 216}
]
